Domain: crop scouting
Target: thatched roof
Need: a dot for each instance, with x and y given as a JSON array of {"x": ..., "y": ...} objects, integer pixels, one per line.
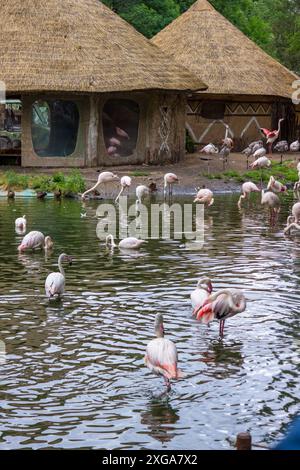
[
  {"x": 228, "y": 62},
  {"x": 81, "y": 46}
]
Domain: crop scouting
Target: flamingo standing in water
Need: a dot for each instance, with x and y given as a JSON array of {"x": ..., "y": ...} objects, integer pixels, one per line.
[
  {"x": 272, "y": 136},
  {"x": 161, "y": 355},
  {"x": 293, "y": 220},
  {"x": 104, "y": 178},
  {"x": 205, "y": 196},
  {"x": 276, "y": 186},
  {"x": 130, "y": 243},
  {"x": 222, "y": 305},
  {"x": 125, "y": 184},
  {"x": 261, "y": 164},
  {"x": 55, "y": 282},
  {"x": 247, "y": 189},
  {"x": 20, "y": 223},
  {"x": 141, "y": 192},
  {"x": 169, "y": 180},
  {"x": 272, "y": 201},
  {"x": 201, "y": 293},
  {"x": 34, "y": 240}
]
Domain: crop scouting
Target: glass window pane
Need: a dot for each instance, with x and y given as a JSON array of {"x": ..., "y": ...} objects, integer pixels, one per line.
[
  {"x": 120, "y": 127},
  {"x": 10, "y": 128},
  {"x": 54, "y": 128}
]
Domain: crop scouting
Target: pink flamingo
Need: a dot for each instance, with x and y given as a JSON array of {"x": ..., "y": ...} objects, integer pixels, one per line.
[
  {"x": 272, "y": 201},
  {"x": 129, "y": 243},
  {"x": 247, "y": 189},
  {"x": 201, "y": 293},
  {"x": 222, "y": 305},
  {"x": 55, "y": 282},
  {"x": 125, "y": 184},
  {"x": 121, "y": 133},
  {"x": 169, "y": 180},
  {"x": 205, "y": 196},
  {"x": 34, "y": 240},
  {"x": 276, "y": 186},
  {"x": 104, "y": 178},
  {"x": 20, "y": 223},
  {"x": 293, "y": 220},
  {"x": 272, "y": 136},
  {"x": 161, "y": 355}
]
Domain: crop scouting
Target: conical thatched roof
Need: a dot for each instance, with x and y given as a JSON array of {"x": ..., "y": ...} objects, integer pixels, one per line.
[
  {"x": 80, "y": 45},
  {"x": 228, "y": 62}
]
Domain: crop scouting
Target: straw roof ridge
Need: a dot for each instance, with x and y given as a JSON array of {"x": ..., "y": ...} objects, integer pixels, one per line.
[
  {"x": 227, "y": 60},
  {"x": 81, "y": 46}
]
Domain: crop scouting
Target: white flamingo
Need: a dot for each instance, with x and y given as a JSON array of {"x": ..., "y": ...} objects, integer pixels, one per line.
[
  {"x": 247, "y": 189},
  {"x": 141, "y": 192},
  {"x": 20, "y": 223},
  {"x": 161, "y": 355},
  {"x": 104, "y": 178},
  {"x": 260, "y": 152},
  {"x": 55, "y": 282},
  {"x": 125, "y": 184},
  {"x": 222, "y": 305},
  {"x": 34, "y": 240},
  {"x": 130, "y": 243},
  {"x": 295, "y": 146},
  {"x": 210, "y": 149},
  {"x": 272, "y": 201},
  {"x": 205, "y": 196},
  {"x": 293, "y": 220},
  {"x": 276, "y": 186},
  {"x": 282, "y": 146},
  {"x": 201, "y": 293},
  {"x": 169, "y": 180}
]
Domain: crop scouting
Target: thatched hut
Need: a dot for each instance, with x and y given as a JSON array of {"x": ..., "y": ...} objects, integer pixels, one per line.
[
  {"x": 247, "y": 89},
  {"x": 92, "y": 90}
]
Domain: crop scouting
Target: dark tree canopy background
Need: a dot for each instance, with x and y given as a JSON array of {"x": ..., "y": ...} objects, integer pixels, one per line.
[{"x": 272, "y": 24}]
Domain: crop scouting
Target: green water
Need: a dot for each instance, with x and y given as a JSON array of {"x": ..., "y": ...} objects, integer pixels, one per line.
[{"x": 72, "y": 373}]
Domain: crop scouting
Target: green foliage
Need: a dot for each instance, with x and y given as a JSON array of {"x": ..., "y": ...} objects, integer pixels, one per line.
[
  {"x": 273, "y": 24},
  {"x": 139, "y": 173},
  {"x": 68, "y": 184},
  {"x": 285, "y": 173}
]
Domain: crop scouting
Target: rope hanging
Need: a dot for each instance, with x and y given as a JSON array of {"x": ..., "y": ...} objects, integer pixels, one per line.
[{"x": 164, "y": 130}]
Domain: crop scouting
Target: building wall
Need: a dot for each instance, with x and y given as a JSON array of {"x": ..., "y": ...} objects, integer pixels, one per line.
[
  {"x": 243, "y": 118},
  {"x": 161, "y": 131}
]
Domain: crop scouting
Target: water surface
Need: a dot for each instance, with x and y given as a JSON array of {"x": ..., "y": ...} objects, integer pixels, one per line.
[{"x": 73, "y": 374}]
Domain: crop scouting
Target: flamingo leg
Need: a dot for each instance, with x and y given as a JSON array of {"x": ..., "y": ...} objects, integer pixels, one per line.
[
  {"x": 167, "y": 384},
  {"x": 221, "y": 329}
]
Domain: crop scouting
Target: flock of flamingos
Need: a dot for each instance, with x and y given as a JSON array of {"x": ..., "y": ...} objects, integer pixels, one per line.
[{"x": 161, "y": 353}]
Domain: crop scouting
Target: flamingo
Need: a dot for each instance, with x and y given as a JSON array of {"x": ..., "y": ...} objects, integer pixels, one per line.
[
  {"x": 260, "y": 152},
  {"x": 295, "y": 146},
  {"x": 293, "y": 220},
  {"x": 55, "y": 282},
  {"x": 205, "y": 196},
  {"x": 20, "y": 223},
  {"x": 225, "y": 152},
  {"x": 261, "y": 163},
  {"x": 282, "y": 146},
  {"x": 104, "y": 178},
  {"x": 161, "y": 355},
  {"x": 272, "y": 136},
  {"x": 222, "y": 305},
  {"x": 121, "y": 133},
  {"x": 141, "y": 192},
  {"x": 201, "y": 293},
  {"x": 276, "y": 186},
  {"x": 271, "y": 200},
  {"x": 115, "y": 142},
  {"x": 227, "y": 141},
  {"x": 34, "y": 240},
  {"x": 130, "y": 243},
  {"x": 125, "y": 184},
  {"x": 247, "y": 189},
  {"x": 210, "y": 149},
  {"x": 169, "y": 180}
]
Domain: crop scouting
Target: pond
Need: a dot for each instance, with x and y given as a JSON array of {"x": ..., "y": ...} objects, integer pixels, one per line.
[{"x": 72, "y": 372}]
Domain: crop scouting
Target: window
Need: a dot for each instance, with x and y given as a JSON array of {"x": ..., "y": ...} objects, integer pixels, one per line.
[
  {"x": 54, "y": 128},
  {"x": 120, "y": 127},
  {"x": 10, "y": 127}
]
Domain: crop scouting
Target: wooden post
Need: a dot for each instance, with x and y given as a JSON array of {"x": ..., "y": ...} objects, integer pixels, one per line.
[
  {"x": 92, "y": 143},
  {"x": 244, "y": 441}
]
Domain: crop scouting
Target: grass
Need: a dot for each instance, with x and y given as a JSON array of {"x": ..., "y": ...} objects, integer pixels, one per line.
[
  {"x": 286, "y": 173},
  {"x": 139, "y": 173},
  {"x": 68, "y": 184}
]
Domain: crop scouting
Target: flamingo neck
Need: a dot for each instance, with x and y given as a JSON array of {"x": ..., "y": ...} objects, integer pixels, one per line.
[
  {"x": 60, "y": 266},
  {"x": 110, "y": 240},
  {"x": 159, "y": 330}
]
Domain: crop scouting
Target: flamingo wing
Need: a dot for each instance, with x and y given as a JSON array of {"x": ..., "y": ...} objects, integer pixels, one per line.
[
  {"x": 161, "y": 358},
  {"x": 265, "y": 131},
  {"x": 55, "y": 284}
]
